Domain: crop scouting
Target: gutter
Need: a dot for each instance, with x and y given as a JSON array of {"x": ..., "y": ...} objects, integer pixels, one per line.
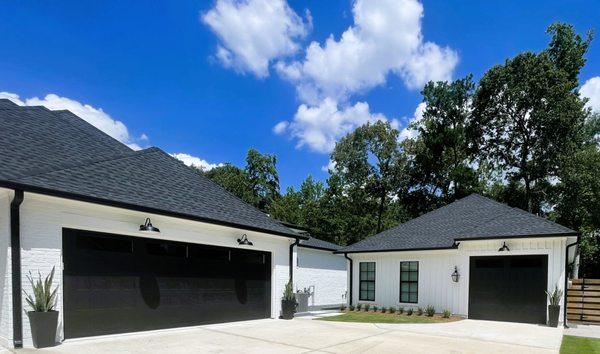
[
  {"x": 576, "y": 243},
  {"x": 15, "y": 253},
  {"x": 350, "y": 285},
  {"x": 297, "y": 242}
]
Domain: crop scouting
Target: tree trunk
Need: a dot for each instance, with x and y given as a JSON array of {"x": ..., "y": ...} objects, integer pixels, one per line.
[
  {"x": 528, "y": 195},
  {"x": 380, "y": 216}
]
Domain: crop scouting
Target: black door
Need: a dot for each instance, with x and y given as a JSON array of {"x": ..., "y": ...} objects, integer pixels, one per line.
[
  {"x": 508, "y": 288},
  {"x": 115, "y": 284}
]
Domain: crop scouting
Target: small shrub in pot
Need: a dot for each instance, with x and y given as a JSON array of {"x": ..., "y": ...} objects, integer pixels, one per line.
[
  {"x": 430, "y": 311},
  {"x": 43, "y": 319},
  {"x": 288, "y": 302},
  {"x": 554, "y": 307}
]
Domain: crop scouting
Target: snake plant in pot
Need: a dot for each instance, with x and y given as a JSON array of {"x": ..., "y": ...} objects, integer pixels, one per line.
[
  {"x": 554, "y": 307},
  {"x": 43, "y": 319},
  {"x": 288, "y": 302}
]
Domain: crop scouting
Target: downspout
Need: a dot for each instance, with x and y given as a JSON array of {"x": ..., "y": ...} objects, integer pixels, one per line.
[
  {"x": 15, "y": 253},
  {"x": 296, "y": 243},
  {"x": 349, "y": 285},
  {"x": 567, "y": 280}
]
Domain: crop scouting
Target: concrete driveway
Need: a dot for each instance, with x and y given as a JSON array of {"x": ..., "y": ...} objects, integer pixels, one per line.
[{"x": 304, "y": 335}]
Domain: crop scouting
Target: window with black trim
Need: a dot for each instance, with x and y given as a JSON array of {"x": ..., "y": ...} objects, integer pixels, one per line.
[
  {"x": 409, "y": 282},
  {"x": 367, "y": 281}
]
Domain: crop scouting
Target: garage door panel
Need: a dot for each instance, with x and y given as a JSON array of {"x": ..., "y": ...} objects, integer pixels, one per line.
[
  {"x": 115, "y": 284},
  {"x": 508, "y": 288}
]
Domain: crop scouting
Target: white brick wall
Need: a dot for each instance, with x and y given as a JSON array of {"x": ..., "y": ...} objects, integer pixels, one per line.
[
  {"x": 324, "y": 273},
  {"x": 5, "y": 273},
  {"x": 42, "y": 220}
]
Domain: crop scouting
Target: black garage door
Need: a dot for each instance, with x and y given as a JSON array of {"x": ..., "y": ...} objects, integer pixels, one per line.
[
  {"x": 508, "y": 288},
  {"x": 116, "y": 284}
]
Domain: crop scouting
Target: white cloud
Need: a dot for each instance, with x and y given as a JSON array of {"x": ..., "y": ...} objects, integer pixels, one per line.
[
  {"x": 591, "y": 90},
  {"x": 280, "y": 127},
  {"x": 95, "y": 116},
  {"x": 197, "y": 162},
  {"x": 320, "y": 126},
  {"x": 331, "y": 165},
  {"x": 408, "y": 132},
  {"x": 252, "y": 33},
  {"x": 385, "y": 38}
]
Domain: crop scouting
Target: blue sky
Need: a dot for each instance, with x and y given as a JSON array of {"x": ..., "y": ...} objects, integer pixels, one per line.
[{"x": 274, "y": 84}]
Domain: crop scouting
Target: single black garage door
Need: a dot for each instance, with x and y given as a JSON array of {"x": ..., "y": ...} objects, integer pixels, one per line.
[
  {"x": 116, "y": 284},
  {"x": 508, "y": 288}
]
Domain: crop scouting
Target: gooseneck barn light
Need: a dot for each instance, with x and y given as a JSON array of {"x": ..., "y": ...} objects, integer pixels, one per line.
[
  {"x": 244, "y": 241},
  {"x": 455, "y": 275},
  {"x": 147, "y": 227},
  {"x": 504, "y": 248}
]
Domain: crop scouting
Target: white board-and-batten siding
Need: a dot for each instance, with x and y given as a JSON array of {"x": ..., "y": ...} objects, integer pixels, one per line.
[{"x": 435, "y": 285}]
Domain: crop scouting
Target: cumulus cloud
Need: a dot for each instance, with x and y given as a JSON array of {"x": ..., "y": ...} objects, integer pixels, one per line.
[
  {"x": 252, "y": 33},
  {"x": 319, "y": 127},
  {"x": 95, "y": 116},
  {"x": 385, "y": 38},
  {"x": 591, "y": 90},
  {"x": 194, "y": 161},
  {"x": 409, "y": 132}
]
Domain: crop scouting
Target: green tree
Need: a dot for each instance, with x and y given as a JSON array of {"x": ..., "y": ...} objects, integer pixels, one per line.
[
  {"x": 261, "y": 170},
  {"x": 442, "y": 155},
  {"x": 232, "y": 179},
  {"x": 371, "y": 167},
  {"x": 529, "y": 113}
]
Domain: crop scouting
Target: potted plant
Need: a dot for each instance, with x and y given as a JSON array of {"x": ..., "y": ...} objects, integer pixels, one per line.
[
  {"x": 43, "y": 319},
  {"x": 288, "y": 302},
  {"x": 554, "y": 307}
]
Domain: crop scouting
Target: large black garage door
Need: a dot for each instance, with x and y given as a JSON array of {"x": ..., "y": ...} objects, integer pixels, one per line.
[
  {"x": 508, "y": 288},
  {"x": 115, "y": 284}
]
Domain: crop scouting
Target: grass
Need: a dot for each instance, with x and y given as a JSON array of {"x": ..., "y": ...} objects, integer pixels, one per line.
[
  {"x": 573, "y": 345},
  {"x": 374, "y": 317}
]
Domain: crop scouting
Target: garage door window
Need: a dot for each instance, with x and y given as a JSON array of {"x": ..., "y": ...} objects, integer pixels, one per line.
[
  {"x": 367, "y": 281},
  {"x": 409, "y": 282}
]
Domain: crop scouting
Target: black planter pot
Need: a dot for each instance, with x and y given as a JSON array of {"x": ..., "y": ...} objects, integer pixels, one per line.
[
  {"x": 288, "y": 308},
  {"x": 43, "y": 328},
  {"x": 553, "y": 312}
]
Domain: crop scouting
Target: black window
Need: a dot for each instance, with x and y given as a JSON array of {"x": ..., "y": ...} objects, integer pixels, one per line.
[
  {"x": 209, "y": 254},
  {"x": 104, "y": 244},
  {"x": 409, "y": 282},
  {"x": 367, "y": 281},
  {"x": 166, "y": 249}
]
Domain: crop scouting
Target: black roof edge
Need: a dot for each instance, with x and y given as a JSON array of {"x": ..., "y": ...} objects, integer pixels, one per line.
[
  {"x": 566, "y": 234},
  {"x": 397, "y": 250},
  {"x": 318, "y": 248},
  {"x": 105, "y": 202},
  {"x": 293, "y": 226}
]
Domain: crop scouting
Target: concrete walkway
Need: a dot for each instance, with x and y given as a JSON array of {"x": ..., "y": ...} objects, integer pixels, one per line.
[
  {"x": 304, "y": 335},
  {"x": 582, "y": 330}
]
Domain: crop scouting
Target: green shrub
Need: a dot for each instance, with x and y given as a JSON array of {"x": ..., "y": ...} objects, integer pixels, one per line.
[
  {"x": 359, "y": 307},
  {"x": 430, "y": 311},
  {"x": 383, "y": 309},
  {"x": 44, "y": 298},
  {"x": 351, "y": 307},
  {"x": 409, "y": 312},
  {"x": 343, "y": 308},
  {"x": 419, "y": 311},
  {"x": 367, "y": 306},
  {"x": 400, "y": 310},
  {"x": 447, "y": 314},
  {"x": 392, "y": 309},
  {"x": 375, "y": 308},
  {"x": 288, "y": 292}
]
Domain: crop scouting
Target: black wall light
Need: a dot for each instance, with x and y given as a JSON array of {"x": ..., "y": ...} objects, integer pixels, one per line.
[
  {"x": 455, "y": 275},
  {"x": 244, "y": 241},
  {"x": 504, "y": 248},
  {"x": 147, "y": 227}
]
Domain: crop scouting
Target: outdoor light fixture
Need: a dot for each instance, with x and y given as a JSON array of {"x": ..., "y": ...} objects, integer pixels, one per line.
[
  {"x": 147, "y": 227},
  {"x": 503, "y": 248},
  {"x": 244, "y": 241},
  {"x": 455, "y": 275}
]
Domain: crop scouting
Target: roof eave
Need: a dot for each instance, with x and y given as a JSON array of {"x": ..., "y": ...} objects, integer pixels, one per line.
[
  {"x": 562, "y": 234},
  {"x": 396, "y": 250},
  {"x": 112, "y": 203},
  {"x": 318, "y": 248}
]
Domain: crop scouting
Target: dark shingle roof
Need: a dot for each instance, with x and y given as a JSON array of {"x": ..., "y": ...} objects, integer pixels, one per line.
[
  {"x": 45, "y": 150},
  {"x": 473, "y": 217},
  {"x": 319, "y": 244}
]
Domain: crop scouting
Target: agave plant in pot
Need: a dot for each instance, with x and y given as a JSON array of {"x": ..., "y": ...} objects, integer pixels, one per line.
[
  {"x": 288, "y": 302},
  {"x": 43, "y": 319},
  {"x": 554, "y": 307}
]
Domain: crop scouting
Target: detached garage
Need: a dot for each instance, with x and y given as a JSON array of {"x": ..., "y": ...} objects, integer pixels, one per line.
[{"x": 475, "y": 257}]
